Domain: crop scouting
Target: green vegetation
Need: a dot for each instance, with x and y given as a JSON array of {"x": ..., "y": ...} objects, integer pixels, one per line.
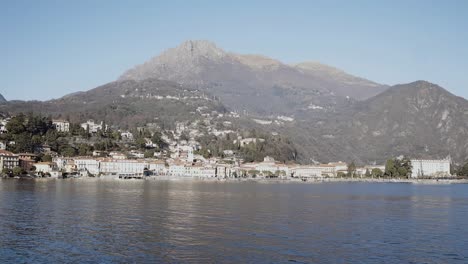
[
  {"x": 398, "y": 168},
  {"x": 277, "y": 147}
]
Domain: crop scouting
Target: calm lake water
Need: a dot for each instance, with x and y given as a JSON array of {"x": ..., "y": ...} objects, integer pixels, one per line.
[{"x": 79, "y": 221}]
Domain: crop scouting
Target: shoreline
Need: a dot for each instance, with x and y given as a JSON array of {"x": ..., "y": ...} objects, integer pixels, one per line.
[{"x": 266, "y": 181}]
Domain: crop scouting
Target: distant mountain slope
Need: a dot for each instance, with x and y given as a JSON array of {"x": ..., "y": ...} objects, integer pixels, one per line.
[
  {"x": 127, "y": 103},
  {"x": 419, "y": 119},
  {"x": 253, "y": 82},
  {"x": 2, "y": 99}
]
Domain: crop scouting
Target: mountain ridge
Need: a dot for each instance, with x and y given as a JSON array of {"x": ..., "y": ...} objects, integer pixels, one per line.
[{"x": 270, "y": 85}]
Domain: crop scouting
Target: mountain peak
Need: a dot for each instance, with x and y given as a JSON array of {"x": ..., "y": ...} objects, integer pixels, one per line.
[
  {"x": 197, "y": 48},
  {"x": 2, "y": 99}
]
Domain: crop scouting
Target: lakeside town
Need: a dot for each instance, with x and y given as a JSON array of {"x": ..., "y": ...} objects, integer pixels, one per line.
[{"x": 182, "y": 158}]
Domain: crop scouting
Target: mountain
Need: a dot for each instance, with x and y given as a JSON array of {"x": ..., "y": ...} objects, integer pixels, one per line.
[
  {"x": 419, "y": 120},
  {"x": 254, "y": 83},
  {"x": 2, "y": 99},
  {"x": 328, "y": 114}
]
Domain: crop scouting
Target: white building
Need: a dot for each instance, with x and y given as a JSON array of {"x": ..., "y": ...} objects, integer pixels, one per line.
[
  {"x": 118, "y": 155},
  {"x": 93, "y": 127},
  {"x": 267, "y": 165},
  {"x": 430, "y": 168},
  {"x": 126, "y": 135},
  {"x": 246, "y": 141},
  {"x": 61, "y": 125},
  {"x": 2, "y": 145},
  {"x": 109, "y": 166},
  {"x": 45, "y": 167},
  {"x": 3, "y": 123},
  {"x": 307, "y": 171},
  {"x": 158, "y": 167},
  {"x": 177, "y": 168},
  {"x": 87, "y": 164}
]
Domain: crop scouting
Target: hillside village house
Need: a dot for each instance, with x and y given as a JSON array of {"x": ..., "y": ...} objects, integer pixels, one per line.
[
  {"x": 93, "y": 127},
  {"x": 430, "y": 168},
  {"x": 8, "y": 160},
  {"x": 61, "y": 125},
  {"x": 126, "y": 135},
  {"x": 3, "y": 123},
  {"x": 246, "y": 141}
]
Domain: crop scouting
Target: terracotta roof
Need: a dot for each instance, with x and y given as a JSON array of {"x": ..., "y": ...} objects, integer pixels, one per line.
[{"x": 6, "y": 153}]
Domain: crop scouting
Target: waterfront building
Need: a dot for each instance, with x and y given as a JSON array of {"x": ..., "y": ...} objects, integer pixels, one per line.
[
  {"x": 122, "y": 166},
  {"x": 339, "y": 166},
  {"x": 27, "y": 160},
  {"x": 158, "y": 167},
  {"x": 8, "y": 160},
  {"x": 307, "y": 171},
  {"x": 45, "y": 167},
  {"x": 61, "y": 125},
  {"x": 89, "y": 165},
  {"x": 430, "y": 168},
  {"x": 176, "y": 168}
]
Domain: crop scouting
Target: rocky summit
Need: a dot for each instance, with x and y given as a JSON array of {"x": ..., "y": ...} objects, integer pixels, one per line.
[{"x": 254, "y": 83}]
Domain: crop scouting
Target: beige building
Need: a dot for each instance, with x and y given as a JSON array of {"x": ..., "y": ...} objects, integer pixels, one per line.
[
  {"x": 8, "y": 160},
  {"x": 61, "y": 125}
]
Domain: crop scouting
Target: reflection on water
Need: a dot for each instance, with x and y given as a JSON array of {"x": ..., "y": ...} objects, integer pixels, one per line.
[{"x": 211, "y": 222}]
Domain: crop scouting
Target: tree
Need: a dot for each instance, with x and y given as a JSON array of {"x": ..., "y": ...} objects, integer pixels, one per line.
[
  {"x": 377, "y": 172},
  {"x": 46, "y": 158},
  {"x": 463, "y": 171},
  {"x": 68, "y": 151},
  {"x": 6, "y": 171},
  {"x": 141, "y": 143},
  {"x": 390, "y": 169},
  {"x": 17, "y": 171},
  {"x": 149, "y": 153},
  {"x": 351, "y": 169}
]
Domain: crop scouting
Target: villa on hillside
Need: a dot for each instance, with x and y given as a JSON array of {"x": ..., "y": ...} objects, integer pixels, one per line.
[{"x": 61, "y": 125}]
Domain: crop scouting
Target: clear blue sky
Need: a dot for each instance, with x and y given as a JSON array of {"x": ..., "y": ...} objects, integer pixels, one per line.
[{"x": 52, "y": 48}]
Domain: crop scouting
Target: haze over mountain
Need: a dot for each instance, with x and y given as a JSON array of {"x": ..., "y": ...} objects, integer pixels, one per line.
[
  {"x": 2, "y": 99},
  {"x": 328, "y": 114},
  {"x": 254, "y": 83}
]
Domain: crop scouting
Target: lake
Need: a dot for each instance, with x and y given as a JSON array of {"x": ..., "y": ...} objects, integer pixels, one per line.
[{"x": 103, "y": 221}]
